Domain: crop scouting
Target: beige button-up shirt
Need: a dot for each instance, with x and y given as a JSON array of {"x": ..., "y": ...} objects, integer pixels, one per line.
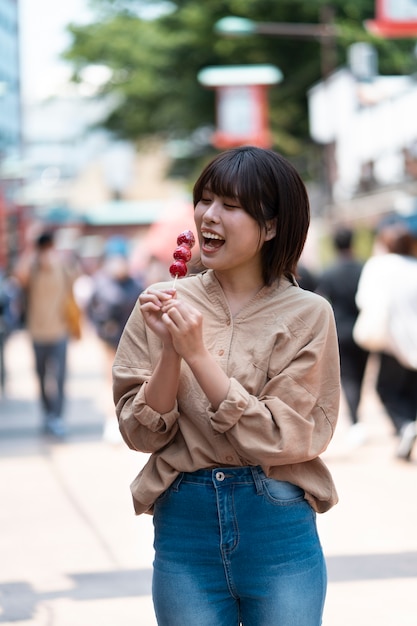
[{"x": 281, "y": 354}]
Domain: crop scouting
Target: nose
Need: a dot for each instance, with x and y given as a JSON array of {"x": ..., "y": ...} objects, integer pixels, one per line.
[{"x": 211, "y": 213}]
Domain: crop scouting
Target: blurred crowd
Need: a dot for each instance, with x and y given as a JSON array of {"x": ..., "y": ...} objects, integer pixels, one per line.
[
  {"x": 375, "y": 308},
  {"x": 374, "y": 302},
  {"x": 52, "y": 295}
]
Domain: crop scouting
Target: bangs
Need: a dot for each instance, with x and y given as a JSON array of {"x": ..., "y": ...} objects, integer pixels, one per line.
[{"x": 229, "y": 178}]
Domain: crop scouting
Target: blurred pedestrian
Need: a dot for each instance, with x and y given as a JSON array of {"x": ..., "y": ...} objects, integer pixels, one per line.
[
  {"x": 9, "y": 318},
  {"x": 47, "y": 283},
  {"x": 306, "y": 277},
  {"x": 231, "y": 382},
  {"x": 339, "y": 283},
  {"x": 114, "y": 293},
  {"x": 387, "y": 295}
]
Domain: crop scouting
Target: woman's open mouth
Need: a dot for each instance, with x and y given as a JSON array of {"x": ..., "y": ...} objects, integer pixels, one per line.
[{"x": 212, "y": 241}]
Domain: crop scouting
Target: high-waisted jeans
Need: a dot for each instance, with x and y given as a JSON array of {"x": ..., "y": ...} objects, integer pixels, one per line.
[{"x": 235, "y": 547}]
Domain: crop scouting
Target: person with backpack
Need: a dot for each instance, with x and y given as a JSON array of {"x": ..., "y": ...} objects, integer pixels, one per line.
[{"x": 47, "y": 284}]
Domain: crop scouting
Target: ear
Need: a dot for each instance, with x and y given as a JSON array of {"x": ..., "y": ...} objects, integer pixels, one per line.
[{"x": 271, "y": 229}]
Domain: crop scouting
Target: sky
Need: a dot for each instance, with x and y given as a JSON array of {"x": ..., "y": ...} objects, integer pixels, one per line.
[{"x": 42, "y": 39}]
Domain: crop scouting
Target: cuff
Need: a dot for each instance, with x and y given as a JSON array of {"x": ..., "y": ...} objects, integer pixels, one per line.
[
  {"x": 151, "y": 419},
  {"x": 231, "y": 409}
]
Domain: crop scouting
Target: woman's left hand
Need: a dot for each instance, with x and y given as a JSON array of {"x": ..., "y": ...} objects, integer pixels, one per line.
[{"x": 185, "y": 324}]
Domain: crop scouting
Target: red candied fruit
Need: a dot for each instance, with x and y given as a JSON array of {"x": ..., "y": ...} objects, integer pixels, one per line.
[
  {"x": 182, "y": 253},
  {"x": 186, "y": 238},
  {"x": 178, "y": 268}
]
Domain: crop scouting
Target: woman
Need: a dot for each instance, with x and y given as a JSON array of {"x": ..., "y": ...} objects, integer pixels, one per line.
[
  {"x": 387, "y": 291},
  {"x": 231, "y": 382}
]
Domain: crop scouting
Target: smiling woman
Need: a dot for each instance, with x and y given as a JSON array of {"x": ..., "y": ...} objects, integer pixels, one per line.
[
  {"x": 230, "y": 381},
  {"x": 262, "y": 190}
]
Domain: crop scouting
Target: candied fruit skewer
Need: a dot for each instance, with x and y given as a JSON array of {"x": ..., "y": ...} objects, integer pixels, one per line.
[
  {"x": 181, "y": 255},
  {"x": 178, "y": 268},
  {"x": 187, "y": 238}
]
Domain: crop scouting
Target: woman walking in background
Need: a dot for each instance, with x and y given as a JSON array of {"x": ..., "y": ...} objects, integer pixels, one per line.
[{"x": 387, "y": 291}]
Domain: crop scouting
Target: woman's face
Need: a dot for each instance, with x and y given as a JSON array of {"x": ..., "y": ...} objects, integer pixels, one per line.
[
  {"x": 47, "y": 257},
  {"x": 229, "y": 237}
]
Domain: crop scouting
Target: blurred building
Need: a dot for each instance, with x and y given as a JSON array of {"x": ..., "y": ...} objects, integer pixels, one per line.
[
  {"x": 368, "y": 124},
  {"x": 59, "y": 144},
  {"x": 10, "y": 125},
  {"x": 79, "y": 179}
]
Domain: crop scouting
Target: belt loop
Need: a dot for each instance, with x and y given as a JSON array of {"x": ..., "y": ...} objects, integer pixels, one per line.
[
  {"x": 256, "y": 474},
  {"x": 176, "y": 484}
]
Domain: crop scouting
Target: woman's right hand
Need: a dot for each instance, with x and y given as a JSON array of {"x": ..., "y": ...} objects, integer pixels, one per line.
[{"x": 151, "y": 302}]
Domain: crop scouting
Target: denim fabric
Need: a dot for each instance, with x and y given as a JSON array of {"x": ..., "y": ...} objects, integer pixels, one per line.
[
  {"x": 50, "y": 360},
  {"x": 233, "y": 546}
]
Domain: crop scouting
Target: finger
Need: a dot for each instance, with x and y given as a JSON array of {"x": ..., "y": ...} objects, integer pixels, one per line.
[
  {"x": 175, "y": 321},
  {"x": 150, "y": 307},
  {"x": 169, "y": 304},
  {"x": 172, "y": 314},
  {"x": 157, "y": 297},
  {"x": 170, "y": 324},
  {"x": 164, "y": 294}
]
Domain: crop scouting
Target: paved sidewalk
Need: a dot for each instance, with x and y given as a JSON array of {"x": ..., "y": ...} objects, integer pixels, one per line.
[{"x": 72, "y": 553}]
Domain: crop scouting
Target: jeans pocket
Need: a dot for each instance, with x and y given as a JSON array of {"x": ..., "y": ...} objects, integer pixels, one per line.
[
  {"x": 171, "y": 489},
  {"x": 161, "y": 498},
  {"x": 282, "y": 492}
]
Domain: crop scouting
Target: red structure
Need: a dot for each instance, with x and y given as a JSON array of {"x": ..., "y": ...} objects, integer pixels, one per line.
[
  {"x": 241, "y": 103},
  {"x": 242, "y": 116},
  {"x": 394, "y": 19}
]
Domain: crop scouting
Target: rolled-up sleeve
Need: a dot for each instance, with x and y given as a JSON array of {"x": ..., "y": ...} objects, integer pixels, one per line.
[{"x": 141, "y": 427}]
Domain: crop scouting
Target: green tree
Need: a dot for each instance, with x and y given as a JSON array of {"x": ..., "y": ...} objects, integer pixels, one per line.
[{"x": 154, "y": 63}]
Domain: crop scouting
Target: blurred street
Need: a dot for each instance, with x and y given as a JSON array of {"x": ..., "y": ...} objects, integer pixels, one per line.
[{"x": 73, "y": 553}]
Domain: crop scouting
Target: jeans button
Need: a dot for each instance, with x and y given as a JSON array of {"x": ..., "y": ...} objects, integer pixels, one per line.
[{"x": 219, "y": 476}]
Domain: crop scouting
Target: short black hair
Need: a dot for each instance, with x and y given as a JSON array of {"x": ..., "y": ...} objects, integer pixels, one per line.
[
  {"x": 342, "y": 238},
  {"x": 268, "y": 187},
  {"x": 45, "y": 240}
]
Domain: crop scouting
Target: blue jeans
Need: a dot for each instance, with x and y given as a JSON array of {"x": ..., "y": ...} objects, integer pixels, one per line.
[
  {"x": 50, "y": 361},
  {"x": 235, "y": 547}
]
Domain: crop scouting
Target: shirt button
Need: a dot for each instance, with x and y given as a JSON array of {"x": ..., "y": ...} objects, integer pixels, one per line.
[
  {"x": 219, "y": 476},
  {"x": 221, "y": 352},
  {"x": 229, "y": 458}
]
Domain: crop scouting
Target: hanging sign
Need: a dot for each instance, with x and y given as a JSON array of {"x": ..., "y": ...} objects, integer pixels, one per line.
[
  {"x": 241, "y": 103},
  {"x": 394, "y": 19}
]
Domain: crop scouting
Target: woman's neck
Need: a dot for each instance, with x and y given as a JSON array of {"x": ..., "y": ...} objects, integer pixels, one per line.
[{"x": 239, "y": 289}]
